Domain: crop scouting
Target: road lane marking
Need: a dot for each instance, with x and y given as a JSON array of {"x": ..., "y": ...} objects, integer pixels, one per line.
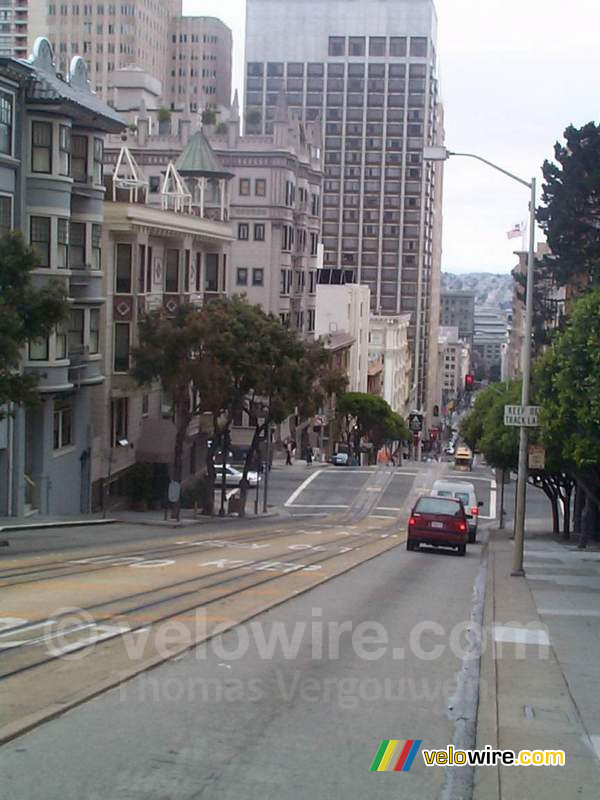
[
  {"x": 315, "y": 505},
  {"x": 301, "y": 488}
]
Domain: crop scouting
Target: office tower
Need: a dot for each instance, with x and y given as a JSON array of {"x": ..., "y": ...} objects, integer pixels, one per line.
[
  {"x": 190, "y": 56},
  {"x": 367, "y": 69},
  {"x": 15, "y": 20}
]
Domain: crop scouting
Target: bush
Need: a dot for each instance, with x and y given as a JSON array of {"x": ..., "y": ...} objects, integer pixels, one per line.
[
  {"x": 209, "y": 117},
  {"x": 221, "y": 129}
]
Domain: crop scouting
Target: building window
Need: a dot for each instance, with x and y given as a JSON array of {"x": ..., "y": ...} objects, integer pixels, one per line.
[
  {"x": 145, "y": 405},
  {"x": 121, "y": 355},
  {"x": 398, "y": 47},
  {"x": 64, "y": 150},
  {"x": 123, "y": 271},
  {"x": 94, "y": 343},
  {"x": 356, "y": 46},
  {"x": 199, "y": 272},
  {"x": 6, "y": 123},
  {"x": 211, "y": 282},
  {"x": 62, "y": 241},
  {"x": 5, "y": 213},
  {"x": 38, "y": 349},
  {"x": 377, "y": 45},
  {"x": 244, "y": 187},
  {"x": 242, "y": 276},
  {"x": 119, "y": 427},
  {"x": 98, "y": 159},
  {"x": 337, "y": 46},
  {"x": 260, "y": 187},
  {"x": 77, "y": 245},
  {"x": 258, "y": 276},
  {"x": 79, "y": 158},
  {"x": 40, "y": 239},
  {"x": 259, "y": 232},
  {"x": 243, "y": 232},
  {"x": 41, "y": 147},
  {"x": 172, "y": 272},
  {"x": 76, "y": 327},
  {"x": 96, "y": 246},
  {"x": 63, "y": 424},
  {"x": 310, "y": 316},
  {"x": 154, "y": 184},
  {"x": 418, "y": 46},
  {"x": 60, "y": 338}
]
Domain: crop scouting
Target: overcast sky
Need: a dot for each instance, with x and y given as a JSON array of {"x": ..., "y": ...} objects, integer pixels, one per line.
[{"x": 513, "y": 74}]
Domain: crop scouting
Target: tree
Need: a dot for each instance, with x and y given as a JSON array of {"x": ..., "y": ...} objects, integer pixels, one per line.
[
  {"x": 567, "y": 383},
  {"x": 26, "y": 313},
  {"x": 570, "y": 215},
  {"x": 171, "y": 351},
  {"x": 370, "y": 416}
]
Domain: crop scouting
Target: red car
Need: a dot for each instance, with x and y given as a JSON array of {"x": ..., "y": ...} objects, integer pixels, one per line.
[{"x": 440, "y": 522}]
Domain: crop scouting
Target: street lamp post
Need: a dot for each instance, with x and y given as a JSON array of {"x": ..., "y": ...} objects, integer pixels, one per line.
[{"x": 437, "y": 153}]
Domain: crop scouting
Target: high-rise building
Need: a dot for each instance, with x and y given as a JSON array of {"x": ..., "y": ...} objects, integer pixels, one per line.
[
  {"x": 457, "y": 309},
  {"x": 190, "y": 56},
  {"x": 15, "y": 21},
  {"x": 367, "y": 68}
]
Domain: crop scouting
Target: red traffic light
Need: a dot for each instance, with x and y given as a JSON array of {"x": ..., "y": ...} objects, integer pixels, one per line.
[{"x": 469, "y": 381}]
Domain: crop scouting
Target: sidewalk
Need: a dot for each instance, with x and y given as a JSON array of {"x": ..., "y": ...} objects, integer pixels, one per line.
[{"x": 540, "y": 688}]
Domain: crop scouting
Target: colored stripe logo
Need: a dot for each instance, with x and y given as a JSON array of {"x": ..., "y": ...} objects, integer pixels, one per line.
[{"x": 395, "y": 755}]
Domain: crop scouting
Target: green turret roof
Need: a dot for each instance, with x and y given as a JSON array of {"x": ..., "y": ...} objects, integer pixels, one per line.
[{"x": 199, "y": 159}]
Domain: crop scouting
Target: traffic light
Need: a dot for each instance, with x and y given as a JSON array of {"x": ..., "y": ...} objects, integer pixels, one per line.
[{"x": 469, "y": 380}]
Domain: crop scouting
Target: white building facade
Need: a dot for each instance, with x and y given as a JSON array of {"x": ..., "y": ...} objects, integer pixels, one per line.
[
  {"x": 388, "y": 343},
  {"x": 346, "y": 309}
]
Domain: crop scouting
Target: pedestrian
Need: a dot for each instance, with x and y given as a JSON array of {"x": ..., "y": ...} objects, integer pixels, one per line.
[
  {"x": 288, "y": 454},
  {"x": 309, "y": 455}
]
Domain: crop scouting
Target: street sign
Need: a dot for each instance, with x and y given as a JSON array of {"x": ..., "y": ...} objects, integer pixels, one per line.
[
  {"x": 537, "y": 456},
  {"x": 517, "y": 416}
]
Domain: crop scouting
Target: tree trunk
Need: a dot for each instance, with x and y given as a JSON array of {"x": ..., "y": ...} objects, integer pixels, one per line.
[
  {"x": 178, "y": 461},
  {"x": 578, "y": 509},
  {"x": 250, "y": 457},
  {"x": 555, "y": 518},
  {"x": 567, "y": 508}
]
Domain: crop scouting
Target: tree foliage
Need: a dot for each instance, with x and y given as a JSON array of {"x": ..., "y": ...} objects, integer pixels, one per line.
[
  {"x": 369, "y": 416},
  {"x": 26, "y": 313},
  {"x": 227, "y": 357},
  {"x": 570, "y": 214}
]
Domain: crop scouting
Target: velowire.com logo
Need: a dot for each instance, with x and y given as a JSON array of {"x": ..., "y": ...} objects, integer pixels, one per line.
[{"x": 395, "y": 755}]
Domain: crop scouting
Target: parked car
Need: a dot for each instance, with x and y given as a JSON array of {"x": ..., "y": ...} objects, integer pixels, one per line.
[
  {"x": 465, "y": 492},
  {"x": 438, "y": 521},
  {"x": 234, "y": 476},
  {"x": 340, "y": 460}
]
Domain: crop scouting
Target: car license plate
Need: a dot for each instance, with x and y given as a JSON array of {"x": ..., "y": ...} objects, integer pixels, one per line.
[{"x": 437, "y": 524}]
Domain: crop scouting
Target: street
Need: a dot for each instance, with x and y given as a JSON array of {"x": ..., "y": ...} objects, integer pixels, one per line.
[{"x": 257, "y": 659}]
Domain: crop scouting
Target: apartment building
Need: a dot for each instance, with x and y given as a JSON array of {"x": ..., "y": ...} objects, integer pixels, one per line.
[
  {"x": 454, "y": 364},
  {"x": 367, "y": 68},
  {"x": 16, "y": 19},
  {"x": 388, "y": 346},
  {"x": 51, "y": 188},
  {"x": 189, "y": 56},
  {"x": 345, "y": 309},
  {"x": 275, "y": 208}
]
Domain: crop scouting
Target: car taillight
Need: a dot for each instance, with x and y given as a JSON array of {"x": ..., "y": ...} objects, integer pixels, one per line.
[
  {"x": 475, "y": 511},
  {"x": 462, "y": 527},
  {"x": 412, "y": 521}
]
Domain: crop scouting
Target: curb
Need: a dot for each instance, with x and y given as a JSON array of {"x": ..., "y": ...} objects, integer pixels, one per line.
[
  {"x": 27, "y": 724},
  {"x": 29, "y": 526},
  {"x": 188, "y": 522}
]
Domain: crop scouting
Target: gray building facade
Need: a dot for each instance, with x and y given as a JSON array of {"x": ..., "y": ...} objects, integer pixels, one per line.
[
  {"x": 51, "y": 188},
  {"x": 457, "y": 310}
]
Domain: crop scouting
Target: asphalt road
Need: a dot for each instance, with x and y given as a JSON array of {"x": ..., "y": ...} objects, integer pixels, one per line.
[
  {"x": 304, "y": 722},
  {"x": 295, "y": 720}
]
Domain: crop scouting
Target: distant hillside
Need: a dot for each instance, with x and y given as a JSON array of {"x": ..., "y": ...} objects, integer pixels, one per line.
[{"x": 493, "y": 290}]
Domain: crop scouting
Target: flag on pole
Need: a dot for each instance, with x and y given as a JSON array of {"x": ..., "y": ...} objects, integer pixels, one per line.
[{"x": 517, "y": 230}]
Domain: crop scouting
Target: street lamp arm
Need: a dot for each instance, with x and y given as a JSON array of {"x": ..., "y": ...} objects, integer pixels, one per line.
[{"x": 494, "y": 166}]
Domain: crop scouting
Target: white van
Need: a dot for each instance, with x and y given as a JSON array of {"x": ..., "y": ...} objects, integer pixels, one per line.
[{"x": 461, "y": 490}]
